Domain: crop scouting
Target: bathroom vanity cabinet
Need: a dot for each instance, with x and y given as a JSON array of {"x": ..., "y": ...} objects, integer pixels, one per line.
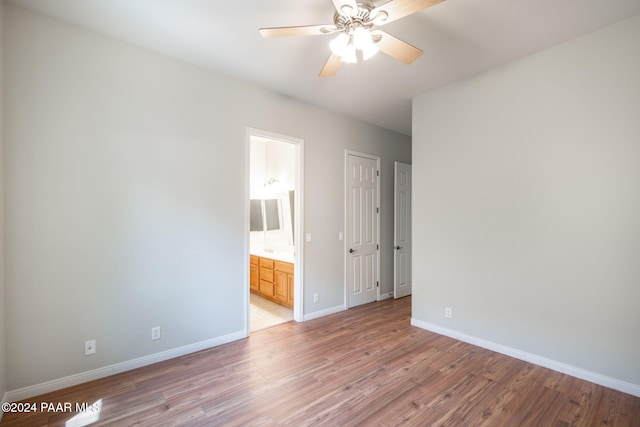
[{"x": 272, "y": 279}]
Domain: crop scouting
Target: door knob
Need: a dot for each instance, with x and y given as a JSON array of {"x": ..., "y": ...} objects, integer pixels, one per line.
[
  {"x": 398, "y": 247},
  {"x": 352, "y": 251}
]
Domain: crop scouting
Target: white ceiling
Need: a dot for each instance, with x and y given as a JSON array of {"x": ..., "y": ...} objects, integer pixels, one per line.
[{"x": 459, "y": 38}]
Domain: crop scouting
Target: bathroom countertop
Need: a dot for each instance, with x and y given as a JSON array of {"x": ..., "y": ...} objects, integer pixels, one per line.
[{"x": 284, "y": 256}]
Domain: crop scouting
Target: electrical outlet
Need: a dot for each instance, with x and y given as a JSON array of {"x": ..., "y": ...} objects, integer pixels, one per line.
[
  {"x": 89, "y": 347},
  {"x": 155, "y": 333},
  {"x": 448, "y": 313},
  {"x": 316, "y": 298}
]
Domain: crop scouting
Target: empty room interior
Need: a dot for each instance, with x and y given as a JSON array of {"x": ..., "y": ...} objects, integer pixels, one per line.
[{"x": 203, "y": 218}]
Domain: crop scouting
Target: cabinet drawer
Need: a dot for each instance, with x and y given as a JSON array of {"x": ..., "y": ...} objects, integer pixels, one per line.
[
  {"x": 266, "y": 288},
  {"x": 285, "y": 267},
  {"x": 253, "y": 259},
  {"x": 266, "y": 274},
  {"x": 266, "y": 262}
]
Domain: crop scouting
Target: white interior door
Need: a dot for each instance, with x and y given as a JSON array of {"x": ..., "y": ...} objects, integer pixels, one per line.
[
  {"x": 362, "y": 230},
  {"x": 402, "y": 230}
]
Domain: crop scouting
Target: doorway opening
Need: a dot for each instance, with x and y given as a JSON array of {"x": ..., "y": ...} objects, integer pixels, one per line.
[{"x": 274, "y": 229}]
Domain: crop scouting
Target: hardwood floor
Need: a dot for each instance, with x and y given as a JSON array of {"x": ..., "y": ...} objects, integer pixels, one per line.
[{"x": 366, "y": 366}]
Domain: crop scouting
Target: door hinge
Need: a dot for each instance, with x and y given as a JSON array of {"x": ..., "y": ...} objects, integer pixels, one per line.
[
  {"x": 377, "y": 173},
  {"x": 377, "y": 247},
  {"x": 377, "y": 210},
  {"x": 377, "y": 284}
]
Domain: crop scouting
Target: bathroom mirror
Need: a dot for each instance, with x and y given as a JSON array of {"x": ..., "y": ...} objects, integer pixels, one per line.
[
  {"x": 272, "y": 209},
  {"x": 274, "y": 218},
  {"x": 256, "y": 223}
]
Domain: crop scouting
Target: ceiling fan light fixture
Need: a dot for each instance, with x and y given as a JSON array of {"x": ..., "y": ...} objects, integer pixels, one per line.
[
  {"x": 369, "y": 51},
  {"x": 340, "y": 44},
  {"x": 349, "y": 55},
  {"x": 363, "y": 40}
]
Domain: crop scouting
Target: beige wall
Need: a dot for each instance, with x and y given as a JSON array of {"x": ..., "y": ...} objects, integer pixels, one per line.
[
  {"x": 125, "y": 188},
  {"x": 527, "y": 205}
]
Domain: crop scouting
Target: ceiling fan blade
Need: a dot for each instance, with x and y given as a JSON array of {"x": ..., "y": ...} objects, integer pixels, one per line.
[
  {"x": 396, "y": 48},
  {"x": 396, "y": 9},
  {"x": 331, "y": 66},
  {"x": 345, "y": 7},
  {"x": 303, "y": 30}
]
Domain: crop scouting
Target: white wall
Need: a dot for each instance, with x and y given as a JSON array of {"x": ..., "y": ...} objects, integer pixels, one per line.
[
  {"x": 271, "y": 159},
  {"x": 125, "y": 198},
  {"x": 3, "y": 376},
  {"x": 527, "y": 204}
]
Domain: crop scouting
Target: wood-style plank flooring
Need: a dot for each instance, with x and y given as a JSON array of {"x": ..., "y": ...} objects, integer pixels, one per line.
[{"x": 366, "y": 366}]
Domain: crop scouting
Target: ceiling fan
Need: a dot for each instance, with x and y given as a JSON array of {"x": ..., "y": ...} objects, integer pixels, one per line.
[{"x": 354, "y": 23}]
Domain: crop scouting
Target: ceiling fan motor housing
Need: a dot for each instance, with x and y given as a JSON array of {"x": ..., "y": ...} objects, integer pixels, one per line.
[{"x": 361, "y": 18}]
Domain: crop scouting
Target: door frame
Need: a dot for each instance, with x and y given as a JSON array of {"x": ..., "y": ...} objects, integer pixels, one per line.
[
  {"x": 298, "y": 281},
  {"x": 348, "y": 153}
]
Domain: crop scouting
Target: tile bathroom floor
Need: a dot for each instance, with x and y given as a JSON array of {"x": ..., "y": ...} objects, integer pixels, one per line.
[{"x": 265, "y": 313}]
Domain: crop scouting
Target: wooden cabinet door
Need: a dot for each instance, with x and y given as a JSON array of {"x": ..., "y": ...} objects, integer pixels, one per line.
[
  {"x": 281, "y": 286},
  {"x": 290, "y": 289},
  {"x": 284, "y": 282},
  {"x": 254, "y": 277}
]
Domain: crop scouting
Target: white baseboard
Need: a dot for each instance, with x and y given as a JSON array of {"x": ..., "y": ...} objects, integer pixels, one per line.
[
  {"x": 616, "y": 384},
  {"x": 386, "y": 296},
  {"x": 71, "y": 380},
  {"x": 322, "y": 313},
  {"x": 4, "y": 400}
]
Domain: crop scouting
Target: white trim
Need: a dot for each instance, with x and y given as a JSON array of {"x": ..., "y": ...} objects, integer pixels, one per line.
[
  {"x": 83, "y": 377},
  {"x": 386, "y": 296},
  {"x": 348, "y": 153},
  {"x": 298, "y": 282},
  {"x": 247, "y": 236},
  {"x": 616, "y": 384},
  {"x": 298, "y": 278},
  {"x": 325, "y": 312},
  {"x": 5, "y": 399}
]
